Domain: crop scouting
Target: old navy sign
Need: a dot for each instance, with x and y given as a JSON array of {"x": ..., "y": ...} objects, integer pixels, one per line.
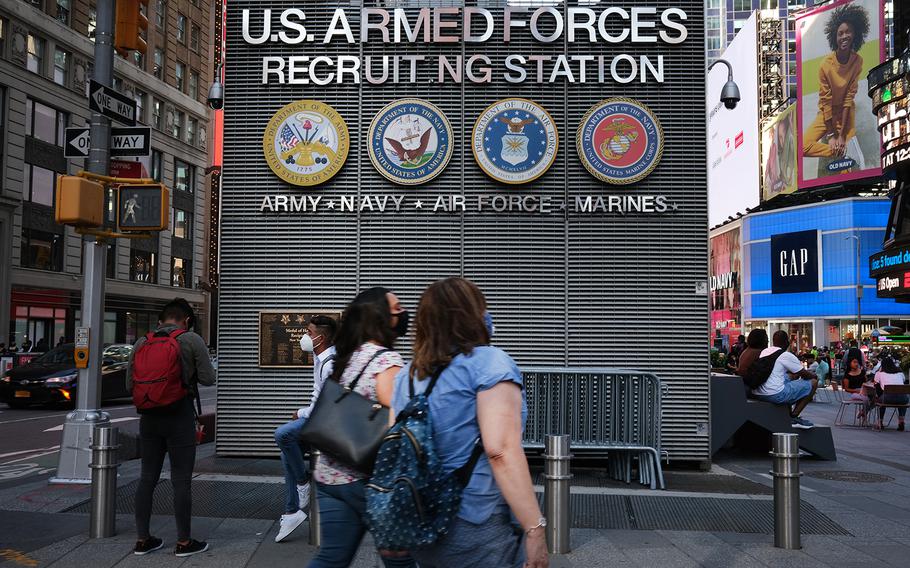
[{"x": 795, "y": 262}]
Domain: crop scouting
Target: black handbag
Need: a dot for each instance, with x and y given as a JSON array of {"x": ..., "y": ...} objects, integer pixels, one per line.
[{"x": 346, "y": 425}]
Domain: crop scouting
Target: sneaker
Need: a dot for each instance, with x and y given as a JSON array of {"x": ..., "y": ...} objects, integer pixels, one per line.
[
  {"x": 288, "y": 523},
  {"x": 855, "y": 153},
  {"x": 303, "y": 495},
  {"x": 801, "y": 423},
  {"x": 150, "y": 544},
  {"x": 191, "y": 548}
]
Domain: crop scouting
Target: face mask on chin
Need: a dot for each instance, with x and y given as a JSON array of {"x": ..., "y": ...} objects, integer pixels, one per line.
[
  {"x": 401, "y": 328},
  {"x": 488, "y": 322}
]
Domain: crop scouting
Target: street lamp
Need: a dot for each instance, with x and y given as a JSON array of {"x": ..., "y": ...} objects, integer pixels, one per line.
[
  {"x": 859, "y": 291},
  {"x": 729, "y": 95}
]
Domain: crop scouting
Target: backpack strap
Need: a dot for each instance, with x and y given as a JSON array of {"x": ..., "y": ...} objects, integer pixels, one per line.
[
  {"x": 433, "y": 379},
  {"x": 463, "y": 474}
]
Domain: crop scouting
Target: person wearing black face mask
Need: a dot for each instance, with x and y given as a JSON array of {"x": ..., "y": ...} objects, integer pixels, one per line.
[{"x": 369, "y": 328}]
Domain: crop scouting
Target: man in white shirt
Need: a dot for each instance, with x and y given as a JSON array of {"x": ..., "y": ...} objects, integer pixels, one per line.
[
  {"x": 785, "y": 385},
  {"x": 319, "y": 339}
]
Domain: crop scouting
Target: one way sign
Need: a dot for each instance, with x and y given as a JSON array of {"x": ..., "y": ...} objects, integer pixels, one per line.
[
  {"x": 111, "y": 104},
  {"x": 134, "y": 141}
]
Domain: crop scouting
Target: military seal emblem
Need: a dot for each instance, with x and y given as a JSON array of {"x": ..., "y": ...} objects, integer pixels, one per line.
[
  {"x": 306, "y": 143},
  {"x": 515, "y": 141},
  {"x": 620, "y": 141},
  {"x": 410, "y": 141}
]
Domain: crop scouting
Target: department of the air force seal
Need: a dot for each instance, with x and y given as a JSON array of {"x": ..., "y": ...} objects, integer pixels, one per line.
[
  {"x": 410, "y": 141},
  {"x": 515, "y": 141},
  {"x": 306, "y": 143},
  {"x": 620, "y": 141}
]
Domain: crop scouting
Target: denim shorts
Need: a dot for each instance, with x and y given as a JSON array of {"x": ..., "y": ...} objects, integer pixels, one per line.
[
  {"x": 793, "y": 392},
  {"x": 498, "y": 543}
]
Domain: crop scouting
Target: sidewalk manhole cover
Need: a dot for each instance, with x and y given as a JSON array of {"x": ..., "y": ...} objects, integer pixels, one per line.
[{"x": 850, "y": 476}]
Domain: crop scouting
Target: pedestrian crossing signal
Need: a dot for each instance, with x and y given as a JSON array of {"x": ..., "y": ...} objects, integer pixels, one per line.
[
  {"x": 131, "y": 25},
  {"x": 142, "y": 207},
  {"x": 79, "y": 202}
]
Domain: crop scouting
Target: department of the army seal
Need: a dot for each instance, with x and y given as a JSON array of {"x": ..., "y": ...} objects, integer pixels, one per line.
[
  {"x": 410, "y": 141},
  {"x": 515, "y": 141},
  {"x": 306, "y": 143},
  {"x": 620, "y": 141}
]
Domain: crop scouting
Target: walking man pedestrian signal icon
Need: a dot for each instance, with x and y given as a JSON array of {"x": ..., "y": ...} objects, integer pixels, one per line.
[
  {"x": 131, "y": 205},
  {"x": 142, "y": 207}
]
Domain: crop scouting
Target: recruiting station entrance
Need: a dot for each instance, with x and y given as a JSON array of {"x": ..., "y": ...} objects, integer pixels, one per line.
[{"x": 553, "y": 155}]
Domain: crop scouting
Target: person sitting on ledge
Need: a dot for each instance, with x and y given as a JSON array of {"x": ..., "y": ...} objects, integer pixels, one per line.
[
  {"x": 755, "y": 344},
  {"x": 785, "y": 385}
]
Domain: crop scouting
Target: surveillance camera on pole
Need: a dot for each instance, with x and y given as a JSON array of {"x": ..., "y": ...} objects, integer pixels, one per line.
[
  {"x": 729, "y": 95},
  {"x": 216, "y": 92}
]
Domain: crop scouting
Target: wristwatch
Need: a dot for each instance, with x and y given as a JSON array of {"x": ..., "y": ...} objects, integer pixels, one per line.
[{"x": 541, "y": 523}]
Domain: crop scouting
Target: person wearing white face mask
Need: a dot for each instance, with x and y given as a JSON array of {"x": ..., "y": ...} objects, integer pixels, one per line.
[{"x": 318, "y": 340}]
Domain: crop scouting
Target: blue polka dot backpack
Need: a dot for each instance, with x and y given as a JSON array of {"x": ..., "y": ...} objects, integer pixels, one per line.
[{"x": 411, "y": 501}]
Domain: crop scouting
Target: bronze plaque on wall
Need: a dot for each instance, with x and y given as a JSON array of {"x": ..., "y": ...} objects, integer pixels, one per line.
[{"x": 279, "y": 337}]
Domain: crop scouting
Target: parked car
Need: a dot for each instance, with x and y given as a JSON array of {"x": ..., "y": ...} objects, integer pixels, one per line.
[{"x": 51, "y": 377}]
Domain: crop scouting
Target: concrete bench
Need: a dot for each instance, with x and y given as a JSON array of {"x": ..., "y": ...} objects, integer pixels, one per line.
[{"x": 732, "y": 411}]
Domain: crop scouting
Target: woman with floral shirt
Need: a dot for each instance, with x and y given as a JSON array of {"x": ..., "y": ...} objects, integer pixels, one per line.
[{"x": 369, "y": 328}]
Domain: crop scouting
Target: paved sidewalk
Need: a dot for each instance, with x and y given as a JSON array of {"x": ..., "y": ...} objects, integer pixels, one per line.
[{"x": 864, "y": 498}]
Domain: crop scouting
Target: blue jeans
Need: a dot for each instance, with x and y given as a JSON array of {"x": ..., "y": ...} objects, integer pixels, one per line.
[
  {"x": 497, "y": 542},
  {"x": 342, "y": 511},
  {"x": 296, "y": 471}
]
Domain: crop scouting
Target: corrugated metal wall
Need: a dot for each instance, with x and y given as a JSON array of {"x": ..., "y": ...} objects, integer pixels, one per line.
[{"x": 567, "y": 289}]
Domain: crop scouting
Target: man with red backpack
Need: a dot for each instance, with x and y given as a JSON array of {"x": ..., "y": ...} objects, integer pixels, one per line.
[{"x": 164, "y": 371}]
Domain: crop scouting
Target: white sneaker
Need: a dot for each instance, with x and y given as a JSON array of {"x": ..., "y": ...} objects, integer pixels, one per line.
[
  {"x": 855, "y": 153},
  {"x": 288, "y": 524},
  {"x": 303, "y": 495}
]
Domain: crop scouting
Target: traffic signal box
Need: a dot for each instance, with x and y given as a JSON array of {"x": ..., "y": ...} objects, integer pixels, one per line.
[
  {"x": 131, "y": 24},
  {"x": 80, "y": 202},
  {"x": 143, "y": 207}
]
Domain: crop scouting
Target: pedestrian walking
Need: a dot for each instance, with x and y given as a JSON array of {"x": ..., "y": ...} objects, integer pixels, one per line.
[
  {"x": 165, "y": 368},
  {"x": 478, "y": 395},
  {"x": 370, "y": 325},
  {"x": 319, "y": 340}
]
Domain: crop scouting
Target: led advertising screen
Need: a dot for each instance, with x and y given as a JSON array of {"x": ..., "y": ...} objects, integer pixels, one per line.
[
  {"x": 733, "y": 156},
  {"x": 836, "y": 46},
  {"x": 778, "y": 143},
  {"x": 725, "y": 267}
]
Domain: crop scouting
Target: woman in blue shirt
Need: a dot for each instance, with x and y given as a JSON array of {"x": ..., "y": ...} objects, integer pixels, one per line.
[{"x": 479, "y": 395}]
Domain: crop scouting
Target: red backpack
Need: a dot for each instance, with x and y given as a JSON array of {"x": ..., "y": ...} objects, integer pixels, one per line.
[{"x": 158, "y": 372}]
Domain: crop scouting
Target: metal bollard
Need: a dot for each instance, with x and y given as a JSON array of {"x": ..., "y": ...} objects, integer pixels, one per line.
[
  {"x": 103, "y": 520},
  {"x": 785, "y": 471},
  {"x": 315, "y": 529},
  {"x": 556, "y": 493}
]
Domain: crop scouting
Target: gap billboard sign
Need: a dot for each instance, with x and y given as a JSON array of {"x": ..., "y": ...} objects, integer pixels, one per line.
[{"x": 796, "y": 259}]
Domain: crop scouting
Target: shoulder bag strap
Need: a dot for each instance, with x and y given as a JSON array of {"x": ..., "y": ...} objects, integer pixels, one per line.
[{"x": 353, "y": 383}]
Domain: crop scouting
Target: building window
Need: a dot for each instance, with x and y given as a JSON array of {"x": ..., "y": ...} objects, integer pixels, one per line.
[
  {"x": 42, "y": 250},
  {"x": 712, "y": 4},
  {"x": 177, "y": 126},
  {"x": 181, "y": 28},
  {"x": 183, "y": 224},
  {"x": 181, "y": 273},
  {"x": 180, "y": 76},
  {"x": 742, "y": 5},
  {"x": 61, "y": 66},
  {"x": 139, "y": 97},
  {"x": 712, "y": 23},
  {"x": 156, "y": 165},
  {"x": 139, "y": 60},
  {"x": 143, "y": 266},
  {"x": 194, "y": 85},
  {"x": 38, "y": 185},
  {"x": 191, "y": 126},
  {"x": 194, "y": 38},
  {"x": 713, "y": 43},
  {"x": 2, "y": 37},
  {"x": 184, "y": 175},
  {"x": 45, "y": 123},
  {"x": 35, "y": 59},
  {"x": 160, "y": 14},
  {"x": 769, "y": 4},
  {"x": 63, "y": 11},
  {"x": 92, "y": 22},
  {"x": 158, "y": 61},
  {"x": 156, "y": 114}
]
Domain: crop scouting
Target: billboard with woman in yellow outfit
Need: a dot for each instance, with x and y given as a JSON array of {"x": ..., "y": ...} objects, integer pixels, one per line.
[{"x": 836, "y": 46}]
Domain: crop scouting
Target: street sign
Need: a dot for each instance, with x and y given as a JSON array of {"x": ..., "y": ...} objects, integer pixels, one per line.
[
  {"x": 142, "y": 207},
  {"x": 130, "y": 141},
  {"x": 125, "y": 169},
  {"x": 77, "y": 143},
  {"x": 133, "y": 141},
  {"x": 111, "y": 104}
]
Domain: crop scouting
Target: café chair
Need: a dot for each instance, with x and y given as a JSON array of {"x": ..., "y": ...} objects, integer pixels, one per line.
[{"x": 889, "y": 389}]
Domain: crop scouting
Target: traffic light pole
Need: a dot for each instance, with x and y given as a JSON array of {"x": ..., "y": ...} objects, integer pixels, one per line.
[{"x": 75, "y": 454}]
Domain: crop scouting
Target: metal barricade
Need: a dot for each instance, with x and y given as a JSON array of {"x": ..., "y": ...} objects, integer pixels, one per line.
[{"x": 615, "y": 410}]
